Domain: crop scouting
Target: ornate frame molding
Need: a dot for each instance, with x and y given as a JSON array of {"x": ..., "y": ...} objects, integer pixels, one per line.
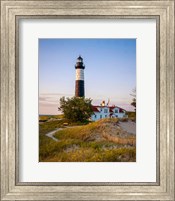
[{"x": 11, "y": 12}]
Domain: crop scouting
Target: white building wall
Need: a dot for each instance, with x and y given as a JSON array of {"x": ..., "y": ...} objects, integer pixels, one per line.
[
  {"x": 95, "y": 117},
  {"x": 102, "y": 114},
  {"x": 119, "y": 114}
]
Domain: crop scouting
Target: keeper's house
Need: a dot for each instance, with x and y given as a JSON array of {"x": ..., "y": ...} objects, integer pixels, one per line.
[{"x": 103, "y": 111}]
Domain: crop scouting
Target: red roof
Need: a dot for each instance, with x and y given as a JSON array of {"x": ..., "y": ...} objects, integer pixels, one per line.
[
  {"x": 120, "y": 109},
  {"x": 94, "y": 108},
  {"x": 110, "y": 110}
]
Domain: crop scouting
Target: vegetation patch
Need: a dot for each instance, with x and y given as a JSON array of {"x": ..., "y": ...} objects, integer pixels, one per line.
[
  {"x": 101, "y": 141},
  {"x": 131, "y": 116}
]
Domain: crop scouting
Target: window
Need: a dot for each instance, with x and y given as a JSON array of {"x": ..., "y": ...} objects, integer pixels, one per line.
[
  {"x": 105, "y": 110},
  {"x": 116, "y": 110},
  {"x": 100, "y": 116}
]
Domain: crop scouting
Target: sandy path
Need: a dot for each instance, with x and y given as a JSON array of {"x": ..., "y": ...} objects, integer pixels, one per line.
[
  {"x": 52, "y": 133},
  {"x": 129, "y": 126}
]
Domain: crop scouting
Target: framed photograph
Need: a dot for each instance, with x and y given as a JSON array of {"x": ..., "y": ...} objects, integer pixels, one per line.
[
  {"x": 83, "y": 123},
  {"x": 71, "y": 75}
]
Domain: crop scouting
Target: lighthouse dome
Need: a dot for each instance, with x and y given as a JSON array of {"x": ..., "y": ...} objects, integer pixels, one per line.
[
  {"x": 79, "y": 59},
  {"x": 79, "y": 63}
]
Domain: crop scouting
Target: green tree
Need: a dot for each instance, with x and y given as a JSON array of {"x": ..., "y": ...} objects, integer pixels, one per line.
[{"x": 76, "y": 108}]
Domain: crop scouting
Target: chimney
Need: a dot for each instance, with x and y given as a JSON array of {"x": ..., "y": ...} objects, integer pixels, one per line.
[{"x": 103, "y": 103}]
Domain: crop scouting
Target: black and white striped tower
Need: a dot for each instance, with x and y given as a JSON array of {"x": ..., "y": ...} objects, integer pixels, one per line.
[{"x": 79, "y": 83}]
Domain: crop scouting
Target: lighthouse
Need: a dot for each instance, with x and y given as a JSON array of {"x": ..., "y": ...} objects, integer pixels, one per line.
[{"x": 79, "y": 83}]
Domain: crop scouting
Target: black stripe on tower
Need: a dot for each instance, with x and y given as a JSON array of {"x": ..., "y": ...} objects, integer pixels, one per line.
[{"x": 79, "y": 88}]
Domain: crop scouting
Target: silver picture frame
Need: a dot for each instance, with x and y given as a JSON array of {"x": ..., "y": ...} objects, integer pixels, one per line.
[{"x": 11, "y": 12}]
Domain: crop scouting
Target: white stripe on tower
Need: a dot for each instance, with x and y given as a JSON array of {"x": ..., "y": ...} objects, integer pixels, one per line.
[{"x": 79, "y": 74}]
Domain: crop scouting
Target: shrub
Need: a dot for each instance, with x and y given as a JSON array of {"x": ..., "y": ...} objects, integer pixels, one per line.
[{"x": 76, "y": 108}]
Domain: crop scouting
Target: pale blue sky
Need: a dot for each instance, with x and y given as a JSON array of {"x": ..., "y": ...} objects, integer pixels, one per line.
[{"x": 110, "y": 70}]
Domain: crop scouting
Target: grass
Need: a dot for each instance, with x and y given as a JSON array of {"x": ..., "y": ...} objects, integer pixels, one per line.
[
  {"x": 45, "y": 118},
  {"x": 50, "y": 126},
  {"x": 93, "y": 155},
  {"x": 99, "y": 141},
  {"x": 131, "y": 116}
]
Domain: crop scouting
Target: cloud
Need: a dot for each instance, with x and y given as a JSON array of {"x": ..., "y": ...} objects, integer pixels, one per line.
[
  {"x": 51, "y": 98},
  {"x": 49, "y": 102}
]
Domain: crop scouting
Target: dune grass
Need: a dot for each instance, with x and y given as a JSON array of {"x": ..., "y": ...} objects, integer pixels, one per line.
[
  {"x": 47, "y": 117},
  {"x": 99, "y": 141},
  {"x": 50, "y": 126},
  {"x": 131, "y": 116},
  {"x": 94, "y": 155}
]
